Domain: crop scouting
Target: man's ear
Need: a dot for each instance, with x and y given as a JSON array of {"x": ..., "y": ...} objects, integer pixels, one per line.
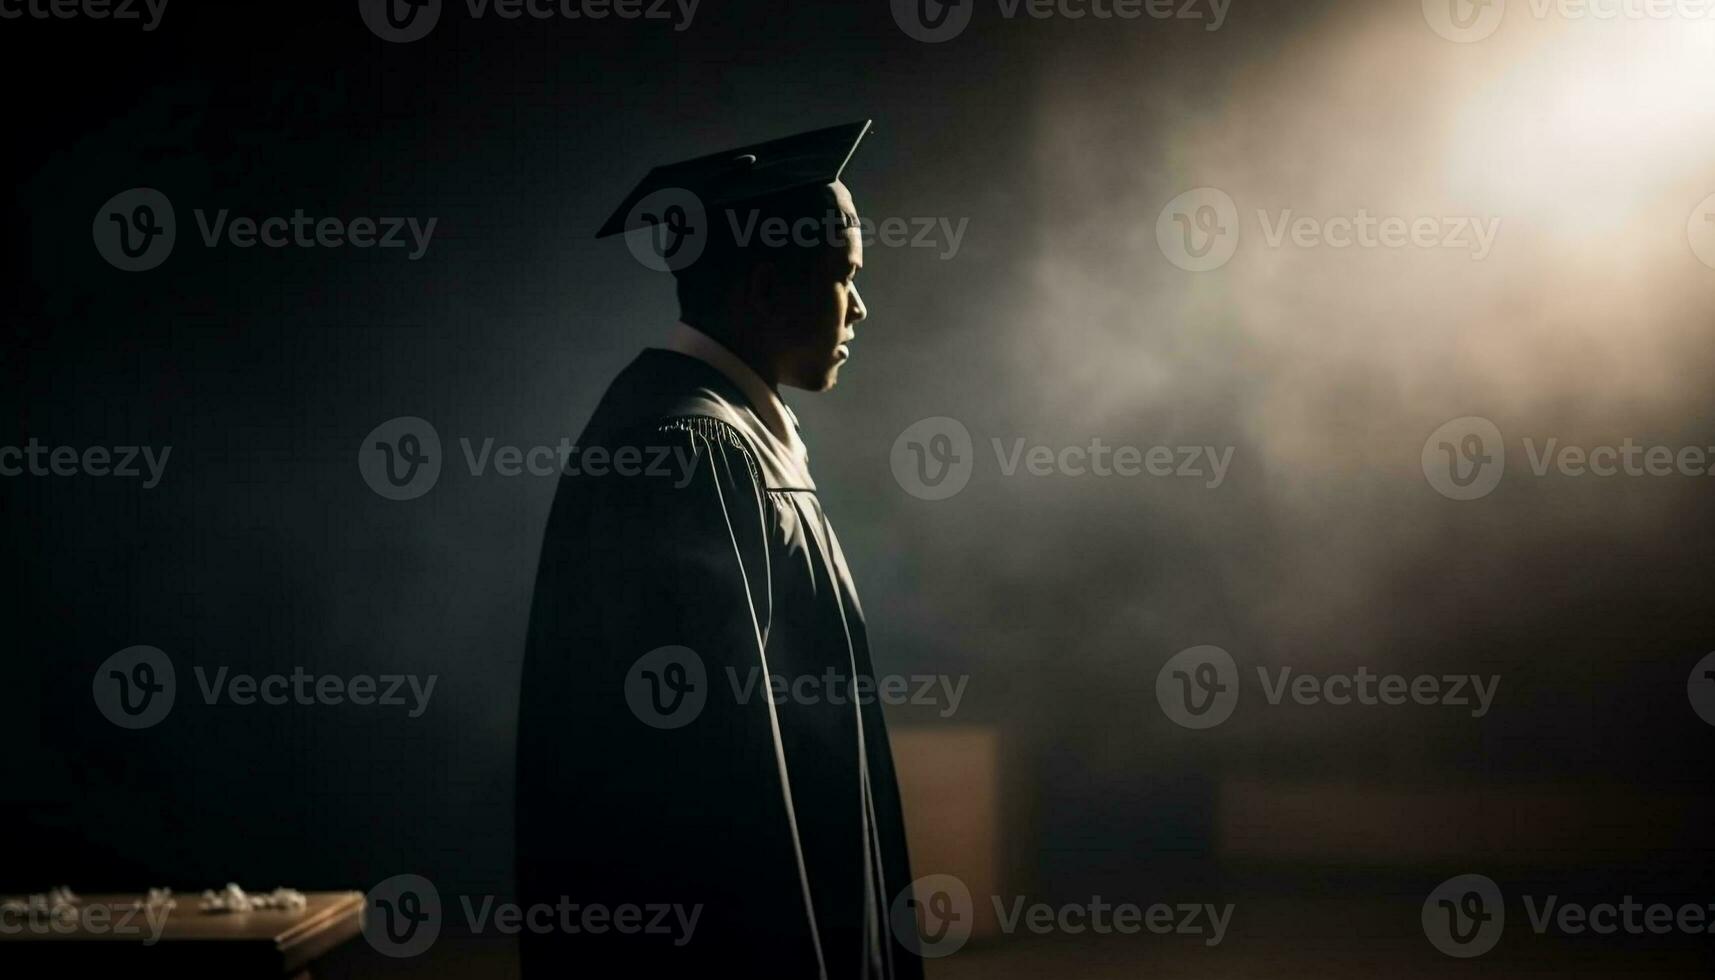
[{"x": 761, "y": 287}]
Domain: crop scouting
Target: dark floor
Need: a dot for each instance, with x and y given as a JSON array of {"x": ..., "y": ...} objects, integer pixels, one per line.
[{"x": 1271, "y": 938}]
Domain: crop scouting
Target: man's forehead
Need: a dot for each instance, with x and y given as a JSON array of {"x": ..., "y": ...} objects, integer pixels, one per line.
[{"x": 841, "y": 197}]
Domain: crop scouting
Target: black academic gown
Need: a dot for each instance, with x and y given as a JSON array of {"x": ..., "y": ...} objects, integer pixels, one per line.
[{"x": 781, "y": 822}]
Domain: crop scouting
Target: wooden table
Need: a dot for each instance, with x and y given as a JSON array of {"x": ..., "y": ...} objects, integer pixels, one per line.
[{"x": 110, "y": 937}]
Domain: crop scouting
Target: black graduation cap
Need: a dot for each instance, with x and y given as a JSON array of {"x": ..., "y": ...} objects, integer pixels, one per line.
[{"x": 747, "y": 174}]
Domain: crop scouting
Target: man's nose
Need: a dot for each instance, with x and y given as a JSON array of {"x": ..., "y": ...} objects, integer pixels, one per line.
[{"x": 857, "y": 311}]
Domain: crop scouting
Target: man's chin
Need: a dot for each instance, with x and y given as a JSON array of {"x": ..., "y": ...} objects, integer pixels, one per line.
[{"x": 829, "y": 377}]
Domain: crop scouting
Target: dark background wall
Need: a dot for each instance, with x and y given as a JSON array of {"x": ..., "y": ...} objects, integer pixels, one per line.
[{"x": 1057, "y": 320}]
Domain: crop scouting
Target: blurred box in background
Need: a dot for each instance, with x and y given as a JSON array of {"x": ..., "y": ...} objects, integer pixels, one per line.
[{"x": 949, "y": 781}]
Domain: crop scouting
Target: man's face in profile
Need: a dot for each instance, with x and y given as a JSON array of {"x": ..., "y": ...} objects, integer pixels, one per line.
[{"x": 822, "y": 308}]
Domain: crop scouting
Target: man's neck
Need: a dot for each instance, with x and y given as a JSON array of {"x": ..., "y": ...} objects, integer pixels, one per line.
[
  {"x": 733, "y": 341},
  {"x": 764, "y": 401}
]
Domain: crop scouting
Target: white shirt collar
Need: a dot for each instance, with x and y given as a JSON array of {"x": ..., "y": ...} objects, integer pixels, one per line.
[{"x": 764, "y": 400}]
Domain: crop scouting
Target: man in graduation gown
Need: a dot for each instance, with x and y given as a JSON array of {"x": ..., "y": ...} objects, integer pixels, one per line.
[{"x": 704, "y": 775}]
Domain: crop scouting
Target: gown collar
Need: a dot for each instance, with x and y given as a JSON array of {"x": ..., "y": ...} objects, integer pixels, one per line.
[{"x": 764, "y": 400}]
